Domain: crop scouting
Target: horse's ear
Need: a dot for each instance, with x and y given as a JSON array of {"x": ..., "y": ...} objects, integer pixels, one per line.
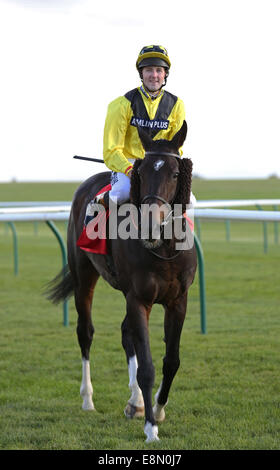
[
  {"x": 146, "y": 140},
  {"x": 180, "y": 137}
]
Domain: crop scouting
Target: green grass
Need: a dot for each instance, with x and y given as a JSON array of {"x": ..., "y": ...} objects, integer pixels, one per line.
[
  {"x": 226, "y": 392},
  {"x": 203, "y": 189},
  {"x": 236, "y": 189}
]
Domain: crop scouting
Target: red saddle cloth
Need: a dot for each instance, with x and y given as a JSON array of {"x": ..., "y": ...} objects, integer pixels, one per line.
[{"x": 93, "y": 236}]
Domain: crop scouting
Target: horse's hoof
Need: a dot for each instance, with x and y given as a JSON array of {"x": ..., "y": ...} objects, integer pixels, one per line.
[
  {"x": 88, "y": 404},
  {"x": 159, "y": 413},
  {"x": 153, "y": 439},
  {"x": 151, "y": 432},
  {"x": 132, "y": 411}
]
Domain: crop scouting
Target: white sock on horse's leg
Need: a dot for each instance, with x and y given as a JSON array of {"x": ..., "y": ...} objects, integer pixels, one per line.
[
  {"x": 158, "y": 410},
  {"x": 151, "y": 432},
  {"x": 86, "y": 389},
  {"x": 136, "y": 398},
  {"x": 135, "y": 405}
]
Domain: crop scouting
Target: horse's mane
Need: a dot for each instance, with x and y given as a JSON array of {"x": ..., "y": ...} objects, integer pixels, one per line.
[{"x": 135, "y": 184}]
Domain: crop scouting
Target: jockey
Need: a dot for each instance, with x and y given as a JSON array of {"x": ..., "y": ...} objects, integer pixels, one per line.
[{"x": 149, "y": 106}]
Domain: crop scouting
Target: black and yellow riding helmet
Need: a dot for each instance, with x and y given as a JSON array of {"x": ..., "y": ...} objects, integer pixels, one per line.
[{"x": 153, "y": 56}]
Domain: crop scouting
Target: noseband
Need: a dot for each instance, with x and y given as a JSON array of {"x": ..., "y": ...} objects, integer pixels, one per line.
[
  {"x": 154, "y": 196},
  {"x": 168, "y": 204}
]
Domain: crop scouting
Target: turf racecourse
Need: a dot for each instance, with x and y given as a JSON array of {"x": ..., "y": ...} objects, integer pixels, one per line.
[{"x": 226, "y": 392}]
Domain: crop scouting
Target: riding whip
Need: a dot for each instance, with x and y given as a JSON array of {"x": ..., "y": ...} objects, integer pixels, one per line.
[{"x": 89, "y": 159}]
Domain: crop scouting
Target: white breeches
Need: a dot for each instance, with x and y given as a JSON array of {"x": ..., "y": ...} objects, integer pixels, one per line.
[{"x": 120, "y": 188}]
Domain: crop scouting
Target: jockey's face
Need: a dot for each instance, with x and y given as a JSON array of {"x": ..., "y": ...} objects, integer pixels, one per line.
[{"x": 153, "y": 77}]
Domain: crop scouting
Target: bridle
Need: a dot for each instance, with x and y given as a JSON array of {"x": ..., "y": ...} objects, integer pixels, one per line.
[
  {"x": 154, "y": 196},
  {"x": 164, "y": 154},
  {"x": 169, "y": 204}
]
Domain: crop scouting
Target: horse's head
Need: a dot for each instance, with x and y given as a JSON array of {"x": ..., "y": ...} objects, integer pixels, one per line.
[{"x": 162, "y": 178}]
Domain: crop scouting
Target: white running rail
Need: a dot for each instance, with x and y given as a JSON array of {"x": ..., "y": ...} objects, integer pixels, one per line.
[{"x": 42, "y": 211}]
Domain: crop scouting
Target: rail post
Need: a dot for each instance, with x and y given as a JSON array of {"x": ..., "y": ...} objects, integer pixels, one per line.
[
  {"x": 275, "y": 227},
  {"x": 265, "y": 239},
  {"x": 15, "y": 243},
  {"x": 227, "y": 223},
  {"x": 202, "y": 292}
]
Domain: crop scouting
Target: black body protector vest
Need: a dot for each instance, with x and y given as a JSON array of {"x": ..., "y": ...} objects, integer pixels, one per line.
[{"x": 142, "y": 119}]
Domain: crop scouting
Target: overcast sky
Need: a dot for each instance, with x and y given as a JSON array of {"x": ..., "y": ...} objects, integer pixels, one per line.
[{"x": 63, "y": 61}]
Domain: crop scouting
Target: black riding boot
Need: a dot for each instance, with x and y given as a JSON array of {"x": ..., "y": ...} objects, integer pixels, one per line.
[{"x": 104, "y": 201}]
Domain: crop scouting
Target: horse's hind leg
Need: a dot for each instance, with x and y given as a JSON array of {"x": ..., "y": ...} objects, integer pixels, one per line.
[
  {"x": 173, "y": 324},
  {"x": 135, "y": 405},
  {"x": 87, "y": 279}
]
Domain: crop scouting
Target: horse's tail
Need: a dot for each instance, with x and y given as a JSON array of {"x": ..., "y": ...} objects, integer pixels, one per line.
[{"x": 61, "y": 287}]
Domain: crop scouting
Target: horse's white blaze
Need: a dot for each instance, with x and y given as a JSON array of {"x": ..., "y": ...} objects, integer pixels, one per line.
[
  {"x": 158, "y": 164},
  {"x": 158, "y": 410},
  {"x": 86, "y": 389},
  {"x": 136, "y": 398},
  {"x": 151, "y": 432}
]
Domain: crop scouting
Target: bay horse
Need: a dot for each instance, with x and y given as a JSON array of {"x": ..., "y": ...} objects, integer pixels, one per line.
[{"x": 146, "y": 271}]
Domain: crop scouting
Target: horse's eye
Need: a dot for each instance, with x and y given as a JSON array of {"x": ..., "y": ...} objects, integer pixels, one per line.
[{"x": 176, "y": 175}]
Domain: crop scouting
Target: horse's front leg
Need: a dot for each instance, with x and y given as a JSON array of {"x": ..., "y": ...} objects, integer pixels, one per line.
[
  {"x": 137, "y": 316},
  {"x": 173, "y": 323},
  {"x": 135, "y": 405}
]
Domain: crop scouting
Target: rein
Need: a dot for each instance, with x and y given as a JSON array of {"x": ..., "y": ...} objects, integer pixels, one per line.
[{"x": 169, "y": 258}]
